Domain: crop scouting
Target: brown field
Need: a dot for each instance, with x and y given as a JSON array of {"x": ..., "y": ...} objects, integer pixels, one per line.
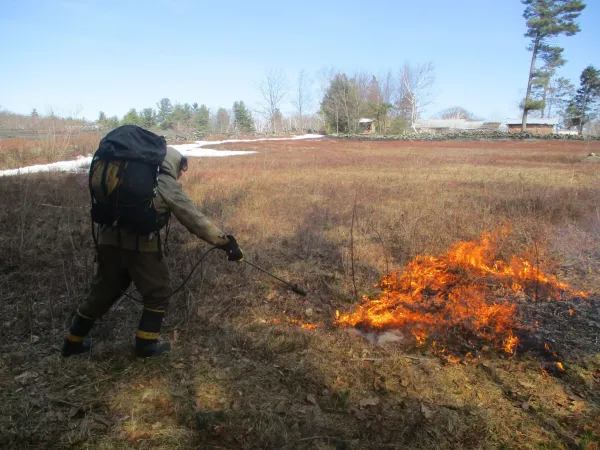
[
  {"x": 329, "y": 215},
  {"x": 48, "y": 146}
]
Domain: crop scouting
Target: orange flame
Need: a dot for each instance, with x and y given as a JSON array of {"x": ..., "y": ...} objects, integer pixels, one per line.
[
  {"x": 297, "y": 322},
  {"x": 462, "y": 295}
]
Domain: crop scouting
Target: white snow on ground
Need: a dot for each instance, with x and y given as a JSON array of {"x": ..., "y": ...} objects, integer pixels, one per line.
[
  {"x": 196, "y": 150},
  {"x": 61, "y": 166},
  {"x": 192, "y": 149}
]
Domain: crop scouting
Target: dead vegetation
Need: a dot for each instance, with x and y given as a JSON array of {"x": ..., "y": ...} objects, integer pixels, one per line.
[
  {"x": 48, "y": 146},
  {"x": 243, "y": 373}
]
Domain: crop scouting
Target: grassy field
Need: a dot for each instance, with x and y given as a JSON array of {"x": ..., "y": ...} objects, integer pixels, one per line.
[{"x": 334, "y": 216}]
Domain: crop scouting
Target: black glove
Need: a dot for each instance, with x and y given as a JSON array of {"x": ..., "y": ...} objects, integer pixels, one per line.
[{"x": 232, "y": 249}]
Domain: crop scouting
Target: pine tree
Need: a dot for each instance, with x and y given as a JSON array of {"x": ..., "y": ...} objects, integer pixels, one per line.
[
  {"x": 164, "y": 109},
  {"x": 201, "y": 117},
  {"x": 546, "y": 19},
  {"x": 552, "y": 57},
  {"x": 242, "y": 119},
  {"x": 582, "y": 107},
  {"x": 131, "y": 118},
  {"x": 336, "y": 105},
  {"x": 181, "y": 116},
  {"x": 112, "y": 122},
  {"x": 147, "y": 118},
  {"x": 34, "y": 114}
]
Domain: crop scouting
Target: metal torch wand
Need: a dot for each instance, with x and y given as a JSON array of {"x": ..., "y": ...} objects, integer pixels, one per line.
[{"x": 293, "y": 287}]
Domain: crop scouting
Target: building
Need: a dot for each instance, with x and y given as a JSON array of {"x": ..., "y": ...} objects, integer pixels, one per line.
[
  {"x": 534, "y": 125},
  {"x": 454, "y": 125},
  {"x": 366, "y": 126}
]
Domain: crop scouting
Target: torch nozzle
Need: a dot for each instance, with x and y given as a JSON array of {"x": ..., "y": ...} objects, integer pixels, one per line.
[{"x": 293, "y": 287}]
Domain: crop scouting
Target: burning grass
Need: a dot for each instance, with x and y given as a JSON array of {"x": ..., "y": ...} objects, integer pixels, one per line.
[{"x": 461, "y": 300}]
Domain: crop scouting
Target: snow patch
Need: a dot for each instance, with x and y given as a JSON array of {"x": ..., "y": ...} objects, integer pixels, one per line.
[
  {"x": 77, "y": 165},
  {"x": 192, "y": 149},
  {"x": 196, "y": 150}
]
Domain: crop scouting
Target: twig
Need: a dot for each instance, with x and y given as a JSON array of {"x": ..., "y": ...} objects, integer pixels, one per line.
[
  {"x": 58, "y": 206},
  {"x": 312, "y": 438},
  {"x": 71, "y": 391},
  {"x": 352, "y": 245},
  {"x": 60, "y": 400},
  {"x": 417, "y": 358},
  {"x": 537, "y": 269}
]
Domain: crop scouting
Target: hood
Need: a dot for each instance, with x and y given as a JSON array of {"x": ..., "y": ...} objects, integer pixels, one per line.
[{"x": 170, "y": 165}]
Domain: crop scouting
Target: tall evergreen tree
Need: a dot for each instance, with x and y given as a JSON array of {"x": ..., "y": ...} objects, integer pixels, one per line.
[
  {"x": 546, "y": 19},
  {"x": 164, "y": 110},
  {"x": 242, "y": 119},
  {"x": 336, "y": 105},
  {"x": 202, "y": 117},
  {"x": 582, "y": 108},
  {"x": 131, "y": 118},
  {"x": 182, "y": 115},
  {"x": 112, "y": 122},
  {"x": 552, "y": 58},
  {"x": 147, "y": 118}
]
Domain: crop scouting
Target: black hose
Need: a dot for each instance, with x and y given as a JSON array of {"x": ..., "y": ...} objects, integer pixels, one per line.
[
  {"x": 293, "y": 287},
  {"x": 183, "y": 283}
]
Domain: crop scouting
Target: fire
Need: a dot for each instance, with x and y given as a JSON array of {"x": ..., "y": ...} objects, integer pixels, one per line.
[
  {"x": 464, "y": 297},
  {"x": 510, "y": 344},
  {"x": 296, "y": 322}
]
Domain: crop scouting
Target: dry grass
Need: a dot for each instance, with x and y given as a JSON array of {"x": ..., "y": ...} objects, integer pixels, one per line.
[
  {"x": 239, "y": 379},
  {"x": 50, "y": 146}
]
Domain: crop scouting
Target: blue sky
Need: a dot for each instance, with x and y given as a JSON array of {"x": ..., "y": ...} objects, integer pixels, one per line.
[{"x": 79, "y": 57}]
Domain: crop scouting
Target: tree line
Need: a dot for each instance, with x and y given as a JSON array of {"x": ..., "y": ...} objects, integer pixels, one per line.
[
  {"x": 395, "y": 100},
  {"x": 185, "y": 116}
]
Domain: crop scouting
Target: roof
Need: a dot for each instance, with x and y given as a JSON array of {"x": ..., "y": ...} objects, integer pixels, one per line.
[
  {"x": 365, "y": 120},
  {"x": 456, "y": 124},
  {"x": 532, "y": 121}
]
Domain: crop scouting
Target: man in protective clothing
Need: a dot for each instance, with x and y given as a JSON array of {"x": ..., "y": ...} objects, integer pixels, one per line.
[{"x": 124, "y": 257}]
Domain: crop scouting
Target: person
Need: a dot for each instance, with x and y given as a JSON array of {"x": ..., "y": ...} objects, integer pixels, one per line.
[{"x": 125, "y": 257}]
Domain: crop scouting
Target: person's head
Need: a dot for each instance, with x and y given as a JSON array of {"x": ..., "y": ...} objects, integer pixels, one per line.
[{"x": 183, "y": 166}]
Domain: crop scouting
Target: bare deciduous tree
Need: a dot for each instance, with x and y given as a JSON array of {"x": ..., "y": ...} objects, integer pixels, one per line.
[
  {"x": 302, "y": 98},
  {"x": 273, "y": 89},
  {"x": 387, "y": 87},
  {"x": 415, "y": 88},
  {"x": 457, "y": 112}
]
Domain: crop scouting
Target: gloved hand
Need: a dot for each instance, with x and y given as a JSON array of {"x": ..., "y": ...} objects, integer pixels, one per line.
[{"x": 232, "y": 249}]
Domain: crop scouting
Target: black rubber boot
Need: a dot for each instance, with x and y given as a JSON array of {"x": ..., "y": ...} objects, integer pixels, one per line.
[
  {"x": 146, "y": 340},
  {"x": 143, "y": 350},
  {"x": 76, "y": 343},
  {"x": 74, "y": 348}
]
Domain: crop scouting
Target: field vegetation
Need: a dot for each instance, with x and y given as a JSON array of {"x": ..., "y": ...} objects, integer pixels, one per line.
[{"x": 255, "y": 366}]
